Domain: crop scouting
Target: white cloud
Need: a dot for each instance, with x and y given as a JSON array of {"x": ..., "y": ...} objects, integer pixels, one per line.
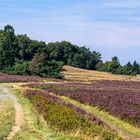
[{"x": 109, "y": 25}]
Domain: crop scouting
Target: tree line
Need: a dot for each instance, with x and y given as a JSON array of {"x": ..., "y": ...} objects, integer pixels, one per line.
[
  {"x": 115, "y": 67},
  {"x": 21, "y": 55}
]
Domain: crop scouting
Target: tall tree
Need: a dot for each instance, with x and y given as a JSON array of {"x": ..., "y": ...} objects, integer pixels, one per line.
[
  {"x": 135, "y": 67},
  {"x": 115, "y": 62},
  {"x": 7, "y": 47}
]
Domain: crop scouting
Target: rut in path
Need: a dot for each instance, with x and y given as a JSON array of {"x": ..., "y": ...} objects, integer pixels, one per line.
[{"x": 19, "y": 114}]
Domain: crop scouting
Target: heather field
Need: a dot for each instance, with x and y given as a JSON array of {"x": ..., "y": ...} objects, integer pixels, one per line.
[
  {"x": 69, "y": 110},
  {"x": 71, "y": 74},
  {"x": 121, "y": 99},
  {"x": 70, "y": 70},
  {"x": 8, "y": 78},
  {"x": 65, "y": 117}
]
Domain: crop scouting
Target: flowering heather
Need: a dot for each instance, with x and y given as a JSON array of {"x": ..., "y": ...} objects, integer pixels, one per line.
[
  {"x": 18, "y": 78},
  {"x": 58, "y": 100},
  {"x": 119, "y": 98},
  {"x": 66, "y": 117}
]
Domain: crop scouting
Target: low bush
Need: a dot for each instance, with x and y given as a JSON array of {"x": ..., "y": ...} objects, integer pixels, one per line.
[
  {"x": 66, "y": 119},
  {"x": 119, "y": 98},
  {"x": 19, "y": 68}
]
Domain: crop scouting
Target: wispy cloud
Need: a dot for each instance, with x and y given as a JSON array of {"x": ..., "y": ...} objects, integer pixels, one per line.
[{"x": 104, "y": 25}]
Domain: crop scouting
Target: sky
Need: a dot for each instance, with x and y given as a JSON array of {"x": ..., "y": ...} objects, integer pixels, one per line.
[{"x": 111, "y": 27}]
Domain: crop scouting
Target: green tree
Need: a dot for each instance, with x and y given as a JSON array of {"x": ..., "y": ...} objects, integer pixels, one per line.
[
  {"x": 27, "y": 47},
  {"x": 73, "y": 55},
  {"x": 20, "y": 68},
  {"x": 19, "y": 52},
  {"x": 112, "y": 66},
  {"x": 37, "y": 63},
  {"x": 7, "y": 47},
  {"x": 135, "y": 67},
  {"x": 115, "y": 63},
  {"x": 43, "y": 67}
]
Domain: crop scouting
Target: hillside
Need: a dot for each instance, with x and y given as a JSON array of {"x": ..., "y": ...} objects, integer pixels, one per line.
[
  {"x": 77, "y": 74},
  {"x": 20, "y": 55},
  {"x": 86, "y": 105},
  {"x": 69, "y": 70}
]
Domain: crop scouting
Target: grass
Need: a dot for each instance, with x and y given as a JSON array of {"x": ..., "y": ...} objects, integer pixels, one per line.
[
  {"x": 106, "y": 116},
  {"x": 7, "y": 115},
  {"x": 35, "y": 128},
  {"x": 82, "y": 75},
  {"x": 66, "y": 119},
  {"x": 122, "y": 125}
]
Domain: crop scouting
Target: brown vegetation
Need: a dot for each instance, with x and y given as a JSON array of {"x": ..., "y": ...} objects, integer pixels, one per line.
[{"x": 77, "y": 74}]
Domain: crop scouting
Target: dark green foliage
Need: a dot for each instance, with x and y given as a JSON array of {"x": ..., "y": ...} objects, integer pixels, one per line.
[
  {"x": 21, "y": 50},
  {"x": 115, "y": 67},
  {"x": 73, "y": 55},
  {"x": 40, "y": 65},
  {"x": 27, "y": 47},
  {"x": 20, "y": 55},
  {"x": 37, "y": 63},
  {"x": 7, "y": 47},
  {"x": 111, "y": 66},
  {"x": 19, "y": 68}
]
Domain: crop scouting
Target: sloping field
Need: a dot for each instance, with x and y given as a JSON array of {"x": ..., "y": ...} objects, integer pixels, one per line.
[
  {"x": 77, "y": 74},
  {"x": 87, "y": 105},
  {"x": 70, "y": 74},
  {"x": 115, "y": 102},
  {"x": 69, "y": 119},
  {"x": 121, "y": 99}
]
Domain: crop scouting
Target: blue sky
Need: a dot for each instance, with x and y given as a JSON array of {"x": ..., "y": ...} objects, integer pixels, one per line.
[{"x": 111, "y": 27}]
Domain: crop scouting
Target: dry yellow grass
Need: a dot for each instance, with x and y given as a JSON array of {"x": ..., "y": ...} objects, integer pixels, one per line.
[{"x": 77, "y": 74}]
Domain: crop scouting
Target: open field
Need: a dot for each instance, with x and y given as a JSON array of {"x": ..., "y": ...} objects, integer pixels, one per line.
[
  {"x": 82, "y": 75},
  {"x": 71, "y": 74},
  {"x": 34, "y": 127},
  {"x": 120, "y": 99},
  {"x": 75, "y": 110},
  {"x": 74, "y": 74},
  {"x": 67, "y": 118}
]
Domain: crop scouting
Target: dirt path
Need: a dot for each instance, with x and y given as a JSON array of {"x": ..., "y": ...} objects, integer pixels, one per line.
[
  {"x": 19, "y": 114},
  {"x": 19, "y": 120}
]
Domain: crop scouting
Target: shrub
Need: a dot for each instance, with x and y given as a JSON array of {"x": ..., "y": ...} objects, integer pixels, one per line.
[
  {"x": 119, "y": 98},
  {"x": 40, "y": 65},
  {"x": 65, "y": 119},
  {"x": 19, "y": 68}
]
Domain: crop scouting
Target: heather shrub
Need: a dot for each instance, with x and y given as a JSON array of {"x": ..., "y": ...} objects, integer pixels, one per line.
[
  {"x": 65, "y": 119},
  {"x": 121, "y": 99}
]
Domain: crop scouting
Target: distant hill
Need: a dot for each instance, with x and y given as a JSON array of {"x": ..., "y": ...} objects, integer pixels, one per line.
[
  {"x": 20, "y": 55},
  {"x": 77, "y": 74}
]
